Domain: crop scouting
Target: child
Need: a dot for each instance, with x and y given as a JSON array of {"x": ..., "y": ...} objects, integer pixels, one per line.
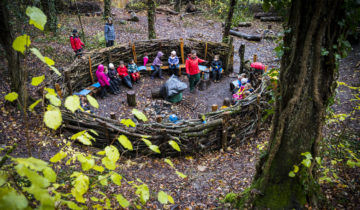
[
  {"x": 134, "y": 72},
  {"x": 76, "y": 44},
  {"x": 174, "y": 63},
  {"x": 157, "y": 66},
  {"x": 240, "y": 93},
  {"x": 248, "y": 90},
  {"x": 146, "y": 58},
  {"x": 114, "y": 75},
  {"x": 112, "y": 83},
  {"x": 104, "y": 82},
  {"x": 216, "y": 66},
  {"x": 85, "y": 105},
  {"x": 123, "y": 73}
]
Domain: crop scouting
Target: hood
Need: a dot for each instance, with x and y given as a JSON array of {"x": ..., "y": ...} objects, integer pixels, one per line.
[
  {"x": 101, "y": 68},
  {"x": 159, "y": 54},
  {"x": 189, "y": 56}
]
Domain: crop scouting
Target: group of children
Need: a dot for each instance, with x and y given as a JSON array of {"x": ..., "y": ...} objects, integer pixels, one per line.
[{"x": 243, "y": 89}]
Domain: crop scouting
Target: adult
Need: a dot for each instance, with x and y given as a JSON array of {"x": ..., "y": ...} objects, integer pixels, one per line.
[
  {"x": 76, "y": 43},
  {"x": 192, "y": 69},
  {"x": 109, "y": 33}
]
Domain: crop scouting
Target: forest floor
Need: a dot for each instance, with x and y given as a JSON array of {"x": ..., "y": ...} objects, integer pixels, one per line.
[{"x": 210, "y": 176}]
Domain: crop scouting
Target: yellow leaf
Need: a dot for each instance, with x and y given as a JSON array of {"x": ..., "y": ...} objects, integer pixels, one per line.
[
  {"x": 21, "y": 42},
  {"x": 125, "y": 142},
  {"x": 32, "y": 106},
  {"x": 49, "y": 61},
  {"x": 11, "y": 96},
  {"x": 138, "y": 114},
  {"x": 72, "y": 103},
  {"x": 37, "y": 17},
  {"x": 128, "y": 122},
  {"x": 174, "y": 145},
  {"x": 53, "y": 118},
  {"x": 93, "y": 102},
  {"x": 35, "y": 81}
]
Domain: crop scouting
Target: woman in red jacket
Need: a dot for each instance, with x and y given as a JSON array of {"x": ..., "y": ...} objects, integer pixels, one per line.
[
  {"x": 76, "y": 43},
  {"x": 192, "y": 69}
]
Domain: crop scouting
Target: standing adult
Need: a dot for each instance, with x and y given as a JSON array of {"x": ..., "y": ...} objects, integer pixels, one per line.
[
  {"x": 192, "y": 69},
  {"x": 109, "y": 33}
]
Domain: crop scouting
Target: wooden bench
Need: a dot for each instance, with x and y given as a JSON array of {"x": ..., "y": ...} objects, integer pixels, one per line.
[
  {"x": 151, "y": 68},
  {"x": 89, "y": 90}
]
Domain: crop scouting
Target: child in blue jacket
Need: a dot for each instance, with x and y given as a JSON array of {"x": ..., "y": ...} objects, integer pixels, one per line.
[{"x": 216, "y": 66}]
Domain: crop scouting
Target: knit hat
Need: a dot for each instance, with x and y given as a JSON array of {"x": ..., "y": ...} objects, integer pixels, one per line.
[
  {"x": 74, "y": 31},
  {"x": 111, "y": 65},
  {"x": 173, "y": 52},
  {"x": 244, "y": 81}
]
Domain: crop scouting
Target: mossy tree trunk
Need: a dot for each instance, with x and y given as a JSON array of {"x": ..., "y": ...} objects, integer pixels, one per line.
[
  {"x": 49, "y": 8},
  {"x": 177, "y": 5},
  {"x": 307, "y": 82},
  {"x": 228, "y": 21},
  {"x": 16, "y": 72},
  {"x": 107, "y": 8},
  {"x": 151, "y": 19}
]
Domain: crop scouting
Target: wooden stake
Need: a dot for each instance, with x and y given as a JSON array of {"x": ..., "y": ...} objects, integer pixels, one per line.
[
  {"x": 255, "y": 58},
  {"x": 68, "y": 82},
  {"x": 214, "y": 107},
  {"x": 90, "y": 69},
  {"x": 229, "y": 57},
  {"x": 159, "y": 119},
  {"x": 266, "y": 67},
  {"x": 227, "y": 102},
  {"x": 134, "y": 53},
  {"x": 113, "y": 115},
  {"x": 225, "y": 120},
  {"x": 131, "y": 98},
  {"x": 58, "y": 90},
  {"x": 242, "y": 59},
  {"x": 182, "y": 50},
  {"x": 206, "y": 49}
]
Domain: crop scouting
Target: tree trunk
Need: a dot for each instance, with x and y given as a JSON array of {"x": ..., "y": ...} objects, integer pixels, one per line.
[
  {"x": 229, "y": 21},
  {"x": 151, "y": 19},
  {"x": 177, "y": 5},
  {"x": 307, "y": 81},
  {"x": 16, "y": 72},
  {"x": 48, "y": 7},
  {"x": 107, "y": 9}
]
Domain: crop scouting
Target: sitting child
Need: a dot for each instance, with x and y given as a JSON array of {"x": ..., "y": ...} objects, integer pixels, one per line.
[
  {"x": 114, "y": 75},
  {"x": 240, "y": 93},
  {"x": 248, "y": 90},
  {"x": 216, "y": 66},
  {"x": 145, "y": 58},
  {"x": 112, "y": 82},
  {"x": 174, "y": 63},
  {"x": 83, "y": 103},
  {"x": 134, "y": 72},
  {"x": 104, "y": 82},
  {"x": 123, "y": 73},
  {"x": 157, "y": 66}
]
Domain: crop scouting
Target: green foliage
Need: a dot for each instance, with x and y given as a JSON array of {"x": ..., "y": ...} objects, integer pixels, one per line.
[
  {"x": 128, "y": 123},
  {"x": 37, "y": 17},
  {"x": 93, "y": 102},
  {"x": 125, "y": 142},
  {"x": 53, "y": 118},
  {"x": 174, "y": 145},
  {"x": 21, "y": 42},
  {"x": 138, "y": 114},
  {"x": 11, "y": 96},
  {"x": 122, "y": 201},
  {"x": 72, "y": 103},
  {"x": 33, "y": 105}
]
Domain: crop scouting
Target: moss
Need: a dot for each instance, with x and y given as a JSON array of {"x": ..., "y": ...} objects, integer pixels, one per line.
[{"x": 230, "y": 198}]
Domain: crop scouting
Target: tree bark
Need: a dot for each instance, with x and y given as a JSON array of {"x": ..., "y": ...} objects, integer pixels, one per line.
[
  {"x": 48, "y": 7},
  {"x": 177, "y": 5},
  {"x": 306, "y": 84},
  {"x": 229, "y": 21},
  {"x": 16, "y": 72},
  {"x": 107, "y": 9},
  {"x": 151, "y": 19}
]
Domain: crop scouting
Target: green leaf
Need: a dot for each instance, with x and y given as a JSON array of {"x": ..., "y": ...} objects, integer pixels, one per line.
[
  {"x": 93, "y": 131},
  {"x": 35, "y": 81},
  {"x": 128, "y": 123},
  {"x": 174, "y": 145},
  {"x": 168, "y": 161},
  {"x": 52, "y": 118},
  {"x": 296, "y": 168},
  {"x": 318, "y": 160},
  {"x": 171, "y": 199},
  {"x": 35, "y": 178},
  {"x": 122, "y": 201},
  {"x": 162, "y": 197},
  {"x": 147, "y": 142},
  {"x": 37, "y": 17},
  {"x": 112, "y": 153},
  {"x": 116, "y": 178},
  {"x": 58, "y": 156},
  {"x": 98, "y": 168},
  {"x": 53, "y": 99},
  {"x": 81, "y": 185},
  {"x": 138, "y": 114},
  {"x": 10, "y": 199},
  {"x": 180, "y": 174},
  {"x": 55, "y": 70},
  {"x": 95, "y": 199},
  {"x": 108, "y": 163},
  {"x": 125, "y": 142},
  {"x": 3, "y": 178},
  {"x": 32, "y": 163},
  {"x": 49, "y": 174},
  {"x": 350, "y": 163},
  {"x": 77, "y": 135},
  {"x": 291, "y": 174},
  {"x": 50, "y": 91},
  {"x": 21, "y": 42},
  {"x": 72, "y": 103},
  {"x": 306, "y": 162},
  {"x": 307, "y": 155},
  {"x": 143, "y": 191},
  {"x": 103, "y": 180},
  {"x": 101, "y": 152},
  {"x": 49, "y": 61},
  {"x": 32, "y": 106},
  {"x": 155, "y": 148},
  {"x": 11, "y": 96},
  {"x": 93, "y": 102},
  {"x": 38, "y": 54},
  {"x": 87, "y": 163}
]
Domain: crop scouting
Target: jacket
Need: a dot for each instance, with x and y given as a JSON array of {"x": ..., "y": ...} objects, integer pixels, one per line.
[
  {"x": 173, "y": 60},
  {"x": 109, "y": 32},
  {"x": 146, "y": 59},
  {"x": 157, "y": 61},
  {"x": 101, "y": 76},
  {"x": 122, "y": 71},
  {"x": 132, "y": 68},
  {"x": 76, "y": 43},
  {"x": 192, "y": 65},
  {"x": 216, "y": 65},
  {"x": 112, "y": 73}
]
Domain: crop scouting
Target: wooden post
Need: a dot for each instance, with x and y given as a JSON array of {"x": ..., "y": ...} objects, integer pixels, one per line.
[
  {"x": 58, "y": 90},
  {"x": 182, "y": 53},
  {"x": 106, "y": 131},
  {"x": 228, "y": 56},
  {"x": 155, "y": 93},
  {"x": 225, "y": 122},
  {"x": 159, "y": 119},
  {"x": 206, "y": 49},
  {"x": 90, "y": 69},
  {"x": 242, "y": 59},
  {"x": 255, "y": 58},
  {"x": 214, "y": 107},
  {"x": 131, "y": 98},
  {"x": 68, "y": 82},
  {"x": 227, "y": 102},
  {"x": 266, "y": 67},
  {"x": 113, "y": 115},
  {"x": 269, "y": 27},
  {"x": 134, "y": 53}
]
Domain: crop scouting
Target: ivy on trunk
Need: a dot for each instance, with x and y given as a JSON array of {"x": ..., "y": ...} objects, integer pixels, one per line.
[
  {"x": 151, "y": 19},
  {"x": 228, "y": 21}
]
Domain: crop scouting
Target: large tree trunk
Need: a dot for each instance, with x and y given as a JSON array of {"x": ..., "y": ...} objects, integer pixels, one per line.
[
  {"x": 151, "y": 19},
  {"x": 229, "y": 21},
  {"x": 307, "y": 81},
  {"x": 48, "y": 7},
  {"x": 177, "y": 5},
  {"x": 107, "y": 8},
  {"x": 16, "y": 72}
]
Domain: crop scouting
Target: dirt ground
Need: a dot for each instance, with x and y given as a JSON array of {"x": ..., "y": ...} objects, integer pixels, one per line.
[{"x": 210, "y": 176}]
